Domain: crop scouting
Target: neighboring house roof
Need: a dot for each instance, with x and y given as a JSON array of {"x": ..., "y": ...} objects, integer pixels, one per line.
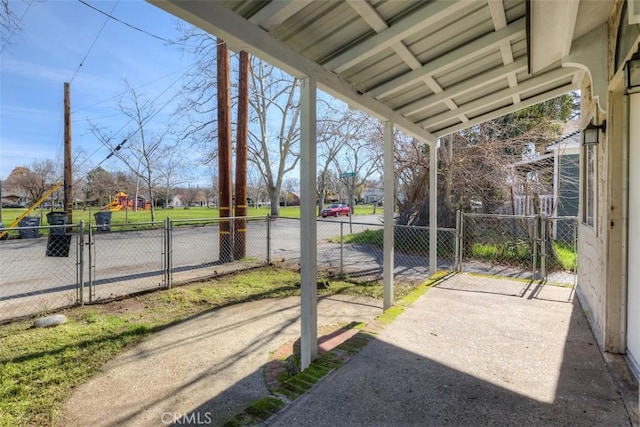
[
  {"x": 570, "y": 141},
  {"x": 567, "y": 144}
]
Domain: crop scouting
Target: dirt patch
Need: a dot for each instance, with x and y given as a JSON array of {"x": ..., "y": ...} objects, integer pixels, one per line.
[{"x": 124, "y": 306}]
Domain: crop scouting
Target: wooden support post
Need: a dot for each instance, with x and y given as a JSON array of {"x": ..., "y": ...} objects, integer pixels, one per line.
[
  {"x": 389, "y": 225},
  {"x": 224, "y": 151},
  {"x": 433, "y": 209},
  {"x": 240, "y": 229},
  {"x": 308, "y": 225}
]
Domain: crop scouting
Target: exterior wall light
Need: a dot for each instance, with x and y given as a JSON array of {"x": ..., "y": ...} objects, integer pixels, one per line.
[
  {"x": 591, "y": 134},
  {"x": 633, "y": 72}
]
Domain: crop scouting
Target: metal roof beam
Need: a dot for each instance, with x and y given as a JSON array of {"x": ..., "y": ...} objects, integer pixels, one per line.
[
  {"x": 370, "y": 15},
  {"x": 240, "y": 34},
  {"x": 509, "y": 109},
  {"x": 531, "y": 84},
  {"x": 276, "y": 12},
  {"x": 499, "y": 18},
  {"x": 465, "y": 86},
  {"x": 417, "y": 21},
  {"x": 479, "y": 46}
]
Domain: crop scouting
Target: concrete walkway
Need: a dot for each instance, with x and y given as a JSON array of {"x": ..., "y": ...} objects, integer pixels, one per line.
[
  {"x": 497, "y": 353},
  {"x": 210, "y": 365}
]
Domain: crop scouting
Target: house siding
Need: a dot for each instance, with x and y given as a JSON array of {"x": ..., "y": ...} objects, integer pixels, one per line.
[
  {"x": 592, "y": 241},
  {"x": 602, "y": 280},
  {"x": 569, "y": 194}
]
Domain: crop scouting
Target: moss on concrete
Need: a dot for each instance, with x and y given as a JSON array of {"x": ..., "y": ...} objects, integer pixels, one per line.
[{"x": 296, "y": 385}]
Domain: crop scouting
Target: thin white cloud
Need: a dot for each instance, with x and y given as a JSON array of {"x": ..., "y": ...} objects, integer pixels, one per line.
[
  {"x": 20, "y": 111},
  {"x": 33, "y": 70}
]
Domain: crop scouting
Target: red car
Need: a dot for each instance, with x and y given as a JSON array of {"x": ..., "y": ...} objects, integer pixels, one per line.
[{"x": 336, "y": 210}]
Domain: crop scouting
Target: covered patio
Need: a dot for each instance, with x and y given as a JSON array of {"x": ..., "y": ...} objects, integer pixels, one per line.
[{"x": 431, "y": 68}]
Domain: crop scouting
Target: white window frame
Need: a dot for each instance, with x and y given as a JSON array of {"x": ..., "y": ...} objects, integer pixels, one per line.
[{"x": 590, "y": 187}]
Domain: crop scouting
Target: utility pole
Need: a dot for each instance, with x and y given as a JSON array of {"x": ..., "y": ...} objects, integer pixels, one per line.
[
  {"x": 224, "y": 151},
  {"x": 240, "y": 230},
  {"x": 68, "y": 172}
]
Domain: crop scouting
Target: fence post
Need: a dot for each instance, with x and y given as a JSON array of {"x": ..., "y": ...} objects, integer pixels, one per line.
[
  {"x": 91, "y": 263},
  {"x": 461, "y": 243},
  {"x": 168, "y": 255},
  {"x": 575, "y": 249},
  {"x": 269, "y": 239},
  {"x": 543, "y": 248},
  {"x": 80, "y": 259},
  {"x": 341, "y": 249},
  {"x": 456, "y": 243},
  {"x": 534, "y": 268}
]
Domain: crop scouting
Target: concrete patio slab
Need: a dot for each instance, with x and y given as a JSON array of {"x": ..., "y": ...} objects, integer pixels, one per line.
[
  {"x": 204, "y": 370},
  {"x": 493, "y": 352},
  {"x": 489, "y": 352}
]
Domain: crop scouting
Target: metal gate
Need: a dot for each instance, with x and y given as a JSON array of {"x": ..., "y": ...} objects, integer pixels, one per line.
[{"x": 526, "y": 247}]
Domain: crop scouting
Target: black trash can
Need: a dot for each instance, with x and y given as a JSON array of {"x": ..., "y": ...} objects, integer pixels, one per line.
[
  {"x": 29, "y": 221},
  {"x": 103, "y": 220},
  {"x": 57, "y": 218},
  {"x": 58, "y": 245}
]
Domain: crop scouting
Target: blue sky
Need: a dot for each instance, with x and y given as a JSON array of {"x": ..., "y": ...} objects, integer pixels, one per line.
[{"x": 56, "y": 35}]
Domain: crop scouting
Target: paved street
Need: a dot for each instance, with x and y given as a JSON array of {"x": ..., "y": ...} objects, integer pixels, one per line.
[
  {"x": 124, "y": 262},
  {"x": 119, "y": 262}
]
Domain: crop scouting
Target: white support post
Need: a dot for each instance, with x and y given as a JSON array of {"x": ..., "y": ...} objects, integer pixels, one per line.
[
  {"x": 433, "y": 209},
  {"x": 308, "y": 235},
  {"x": 389, "y": 202}
]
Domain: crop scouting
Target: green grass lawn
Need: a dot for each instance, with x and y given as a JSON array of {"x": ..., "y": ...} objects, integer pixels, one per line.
[
  {"x": 124, "y": 217},
  {"x": 520, "y": 252},
  {"x": 39, "y": 368},
  {"x": 407, "y": 239},
  {"x": 566, "y": 255}
]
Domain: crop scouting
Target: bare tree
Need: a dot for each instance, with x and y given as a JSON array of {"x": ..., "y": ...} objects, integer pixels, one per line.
[
  {"x": 190, "y": 195},
  {"x": 142, "y": 150},
  {"x": 35, "y": 180},
  {"x": 198, "y": 110},
  {"x": 171, "y": 171},
  {"x": 274, "y": 133},
  {"x": 361, "y": 155},
  {"x": 256, "y": 189},
  {"x": 9, "y": 24},
  {"x": 473, "y": 163},
  {"x": 80, "y": 170},
  {"x": 331, "y": 137}
]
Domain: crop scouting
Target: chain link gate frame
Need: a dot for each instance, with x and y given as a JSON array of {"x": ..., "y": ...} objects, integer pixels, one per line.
[{"x": 517, "y": 246}]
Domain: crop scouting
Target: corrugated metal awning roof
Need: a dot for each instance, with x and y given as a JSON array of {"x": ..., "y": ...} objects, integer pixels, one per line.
[{"x": 431, "y": 67}]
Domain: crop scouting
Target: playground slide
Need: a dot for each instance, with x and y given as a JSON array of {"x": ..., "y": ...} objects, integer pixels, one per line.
[{"x": 113, "y": 206}]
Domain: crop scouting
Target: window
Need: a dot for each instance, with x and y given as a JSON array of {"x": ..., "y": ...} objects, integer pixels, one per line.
[{"x": 589, "y": 195}]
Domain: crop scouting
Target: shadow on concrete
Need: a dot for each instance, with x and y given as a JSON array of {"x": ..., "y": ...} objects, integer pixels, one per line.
[
  {"x": 534, "y": 369},
  {"x": 465, "y": 382},
  {"x": 216, "y": 357}
]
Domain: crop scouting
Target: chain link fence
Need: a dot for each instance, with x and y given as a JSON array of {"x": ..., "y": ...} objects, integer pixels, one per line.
[
  {"x": 54, "y": 267},
  {"x": 125, "y": 259},
  {"x": 355, "y": 250},
  {"x": 560, "y": 249},
  {"x": 524, "y": 247},
  {"x": 197, "y": 249},
  {"x": 40, "y": 271}
]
